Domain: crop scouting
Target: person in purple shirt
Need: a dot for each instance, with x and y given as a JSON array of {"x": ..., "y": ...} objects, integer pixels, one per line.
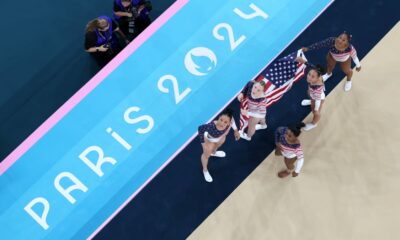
[
  {"x": 143, "y": 20},
  {"x": 132, "y": 16},
  {"x": 125, "y": 14},
  {"x": 101, "y": 41},
  {"x": 212, "y": 135}
]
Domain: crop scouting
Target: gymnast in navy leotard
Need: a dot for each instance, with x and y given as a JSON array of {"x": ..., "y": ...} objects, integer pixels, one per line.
[
  {"x": 340, "y": 50},
  {"x": 212, "y": 135}
]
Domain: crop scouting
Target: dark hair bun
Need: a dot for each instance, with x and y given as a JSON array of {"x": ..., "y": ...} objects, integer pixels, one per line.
[
  {"x": 349, "y": 36},
  {"x": 300, "y": 125},
  {"x": 228, "y": 112},
  {"x": 296, "y": 129},
  {"x": 321, "y": 70}
]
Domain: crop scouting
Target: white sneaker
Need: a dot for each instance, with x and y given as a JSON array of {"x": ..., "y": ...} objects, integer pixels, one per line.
[
  {"x": 309, "y": 126},
  {"x": 261, "y": 126},
  {"x": 244, "y": 136},
  {"x": 347, "y": 86},
  {"x": 207, "y": 176},
  {"x": 219, "y": 154},
  {"x": 306, "y": 102},
  {"x": 326, "y": 76}
]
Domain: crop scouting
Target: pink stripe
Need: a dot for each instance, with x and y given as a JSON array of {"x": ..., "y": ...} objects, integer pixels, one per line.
[{"x": 90, "y": 86}]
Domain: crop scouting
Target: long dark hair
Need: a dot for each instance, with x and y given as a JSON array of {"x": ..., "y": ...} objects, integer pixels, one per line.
[{"x": 296, "y": 129}]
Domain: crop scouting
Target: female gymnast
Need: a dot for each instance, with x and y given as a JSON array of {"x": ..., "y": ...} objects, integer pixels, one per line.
[
  {"x": 316, "y": 90},
  {"x": 288, "y": 146},
  {"x": 340, "y": 50},
  {"x": 212, "y": 135},
  {"x": 254, "y": 92}
]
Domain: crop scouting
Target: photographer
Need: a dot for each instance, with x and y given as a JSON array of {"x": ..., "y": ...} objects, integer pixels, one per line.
[
  {"x": 126, "y": 14},
  {"x": 101, "y": 40},
  {"x": 143, "y": 8},
  {"x": 132, "y": 16}
]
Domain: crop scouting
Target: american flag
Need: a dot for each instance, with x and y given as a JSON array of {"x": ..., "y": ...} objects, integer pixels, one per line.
[{"x": 279, "y": 77}]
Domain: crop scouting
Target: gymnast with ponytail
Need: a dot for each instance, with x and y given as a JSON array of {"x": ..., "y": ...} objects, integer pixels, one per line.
[
  {"x": 288, "y": 145},
  {"x": 315, "y": 91}
]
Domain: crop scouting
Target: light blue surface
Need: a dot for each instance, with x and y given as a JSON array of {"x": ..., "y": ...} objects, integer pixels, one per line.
[{"x": 134, "y": 83}]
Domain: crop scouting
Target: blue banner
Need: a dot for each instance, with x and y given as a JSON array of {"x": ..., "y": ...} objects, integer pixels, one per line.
[{"x": 114, "y": 140}]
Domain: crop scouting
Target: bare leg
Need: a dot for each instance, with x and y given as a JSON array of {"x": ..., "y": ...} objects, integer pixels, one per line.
[
  {"x": 346, "y": 68},
  {"x": 316, "y": 114},
  {"x": 218, "y": 144},
  {"x": 289, "y": 162},
  {"x": 252, "y": 126},
  {"x": 207, "y": 150},
  {"x": 330, "y": 64},
  {"x": 278, "y": 152}
]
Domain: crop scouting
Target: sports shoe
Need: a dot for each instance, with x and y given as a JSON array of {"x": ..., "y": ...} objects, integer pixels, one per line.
[
  {"x": 207, "y": 176},
  {"x": 244, "y": 136},
  {"x": 309, "y": 126},
  {"x": 326, "y": 76},
  {"x": 347, "y": 86},
  {"x": 261, "y": 126},
  {"x": 219, "y": 154},
  {"x": 306, "y": 102}
]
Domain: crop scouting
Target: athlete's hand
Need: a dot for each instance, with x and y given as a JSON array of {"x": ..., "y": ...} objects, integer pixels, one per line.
[
  {"x": 304, "y": 49},
  {"x": 279, "y": 146},
  {"x": 300, "y": 60},
  {"x": 358, "y": 69},
  {"x": 240, "y": 97},
  {"x": 278, "y": 150},
  {"x": 294, "y": 174},
  {"x": 237, "y": 135}
]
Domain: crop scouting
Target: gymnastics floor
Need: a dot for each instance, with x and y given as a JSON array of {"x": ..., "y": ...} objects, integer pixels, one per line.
[{"x": 350, "y": 184}]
